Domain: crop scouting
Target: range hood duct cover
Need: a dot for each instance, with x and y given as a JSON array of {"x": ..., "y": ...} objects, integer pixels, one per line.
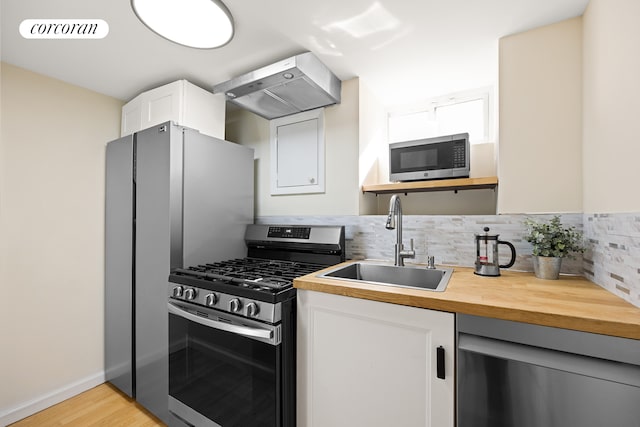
[{"x": 289, "y": 86}]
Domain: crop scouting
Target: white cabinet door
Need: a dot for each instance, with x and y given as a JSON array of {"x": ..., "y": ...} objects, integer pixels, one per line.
[
  {"x": 297, "y": 153},
  {"x": 153, "y": 107},
  {"x": 132, "y": 117},
  {"x": 162, "y": 104},
  {"x": 367, "y": 363}
]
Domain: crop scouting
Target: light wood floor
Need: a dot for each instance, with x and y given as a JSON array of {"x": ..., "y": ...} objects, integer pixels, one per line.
[{"x": 103, "y": 406}]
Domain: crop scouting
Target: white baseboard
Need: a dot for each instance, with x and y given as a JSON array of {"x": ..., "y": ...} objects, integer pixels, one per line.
[{"x": 26, "y": 409}]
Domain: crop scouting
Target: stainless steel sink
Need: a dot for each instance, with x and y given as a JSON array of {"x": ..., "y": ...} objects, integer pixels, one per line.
[{"x": 391, "y": 275}]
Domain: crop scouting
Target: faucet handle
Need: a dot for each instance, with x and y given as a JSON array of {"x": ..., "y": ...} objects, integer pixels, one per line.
[
  {"x": 410, "y": 247},
  {"x": 407, "y": 253}
]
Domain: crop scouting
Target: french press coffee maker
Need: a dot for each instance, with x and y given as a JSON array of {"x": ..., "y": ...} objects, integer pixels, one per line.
[{"x": 487, "y": 254}]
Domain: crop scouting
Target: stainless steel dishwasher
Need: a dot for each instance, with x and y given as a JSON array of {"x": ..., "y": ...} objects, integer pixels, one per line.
[{"x": 521, "y": 375}]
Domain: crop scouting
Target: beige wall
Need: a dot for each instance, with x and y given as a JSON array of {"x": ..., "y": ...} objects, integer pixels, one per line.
[
  {"x": 372, "y": 143},
  {"x": 466, "y": 202},
  {"x": 51, "y": 234},
  {"x": 540, "y": 107},
  {"x": 611, "y": 106},
  {"x": 579, "y": 79},
  {"x": 341, "y": 160}
]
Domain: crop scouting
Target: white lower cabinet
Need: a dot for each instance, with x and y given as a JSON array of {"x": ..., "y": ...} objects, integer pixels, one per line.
[{"x": 368, "y": 363}]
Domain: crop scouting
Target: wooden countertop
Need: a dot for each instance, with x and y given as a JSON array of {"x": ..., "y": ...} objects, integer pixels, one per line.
[{"x": 571, "y": 302}]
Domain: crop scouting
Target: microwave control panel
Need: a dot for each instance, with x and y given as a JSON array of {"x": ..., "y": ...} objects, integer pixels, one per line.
[{"x": 459, "y": 155}]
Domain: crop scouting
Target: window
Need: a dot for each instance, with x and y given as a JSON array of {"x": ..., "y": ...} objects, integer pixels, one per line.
[{"x": 458, "y": 113}]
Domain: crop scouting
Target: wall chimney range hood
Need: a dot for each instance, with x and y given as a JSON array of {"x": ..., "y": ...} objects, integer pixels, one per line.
[{"x": 289, "y": 86}]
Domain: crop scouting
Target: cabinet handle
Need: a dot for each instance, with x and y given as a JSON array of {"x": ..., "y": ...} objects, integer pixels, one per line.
[{"x": 440, "y": 362}]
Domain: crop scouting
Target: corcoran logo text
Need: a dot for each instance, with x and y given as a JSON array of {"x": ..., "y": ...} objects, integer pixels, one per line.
[{"x": 64, "y": 29}]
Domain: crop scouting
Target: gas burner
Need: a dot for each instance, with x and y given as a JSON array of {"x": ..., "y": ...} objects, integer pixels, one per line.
[
  {"x": 261, "y": 275},
  {"x": 273, "y": 282},
  {"x": 276, "y": 255}
]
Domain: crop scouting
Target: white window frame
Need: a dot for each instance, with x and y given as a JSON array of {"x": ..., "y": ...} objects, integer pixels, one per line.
[{"x": 430, "y": 106}]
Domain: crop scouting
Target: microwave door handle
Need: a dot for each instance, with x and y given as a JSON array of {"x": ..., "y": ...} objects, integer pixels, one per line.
[{"x": 264, "y": 334}]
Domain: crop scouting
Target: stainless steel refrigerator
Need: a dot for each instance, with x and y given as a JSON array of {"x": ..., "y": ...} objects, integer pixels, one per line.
[{"x": 174, "y": 198}]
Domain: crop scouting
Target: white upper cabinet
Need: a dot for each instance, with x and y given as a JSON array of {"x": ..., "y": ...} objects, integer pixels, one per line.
[
  {"x": 297, "y": 153},
  {"x": 181, "y": 102}
]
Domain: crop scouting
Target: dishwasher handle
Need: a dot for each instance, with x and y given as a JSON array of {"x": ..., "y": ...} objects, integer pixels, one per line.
[{"x": 619, "y": 372}]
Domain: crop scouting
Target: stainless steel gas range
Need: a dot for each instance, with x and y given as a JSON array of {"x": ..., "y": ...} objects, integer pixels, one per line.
[{"x": 232, "y": 328}]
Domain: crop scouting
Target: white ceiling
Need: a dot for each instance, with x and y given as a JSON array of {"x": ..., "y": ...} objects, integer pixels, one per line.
[{"x": 405, "y": 51}]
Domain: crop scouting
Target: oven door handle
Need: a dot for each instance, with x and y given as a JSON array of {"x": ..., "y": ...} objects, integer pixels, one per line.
[{"x": 262, "y": 334}]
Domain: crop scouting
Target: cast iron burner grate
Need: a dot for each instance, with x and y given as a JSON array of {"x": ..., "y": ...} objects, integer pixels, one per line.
[{"x": 254, "y": 273}]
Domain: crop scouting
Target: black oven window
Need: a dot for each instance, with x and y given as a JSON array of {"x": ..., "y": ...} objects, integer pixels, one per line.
[{"x": 230, "y": 379}]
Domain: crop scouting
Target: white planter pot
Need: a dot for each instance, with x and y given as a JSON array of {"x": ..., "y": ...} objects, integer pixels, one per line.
[{"x": 546, "y": 267}]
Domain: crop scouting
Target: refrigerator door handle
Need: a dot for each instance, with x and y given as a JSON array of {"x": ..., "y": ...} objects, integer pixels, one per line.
[{"x": 265, "y": 335}]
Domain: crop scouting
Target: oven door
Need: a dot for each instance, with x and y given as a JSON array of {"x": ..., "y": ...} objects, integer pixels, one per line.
[{"x": 223, "y": 370}]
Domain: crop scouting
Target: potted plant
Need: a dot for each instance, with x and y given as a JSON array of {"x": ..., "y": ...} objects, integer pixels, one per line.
[{"x": 551, "y": 243}]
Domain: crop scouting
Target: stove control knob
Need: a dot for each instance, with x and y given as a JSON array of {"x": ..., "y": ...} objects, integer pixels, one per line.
[
  {"x": 252, "y": 309},
  {"x": 177, "y": 291},
  {"x": 210, "y": 299},
  {"x": 235, "y": 305},
  {"x": 190, "y": 294}
]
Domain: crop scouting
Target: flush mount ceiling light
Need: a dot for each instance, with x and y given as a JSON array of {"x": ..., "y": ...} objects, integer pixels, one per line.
[{"x": 203, "y": 24}]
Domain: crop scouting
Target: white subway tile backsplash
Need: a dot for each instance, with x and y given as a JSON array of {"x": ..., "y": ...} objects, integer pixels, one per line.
[
  {"x": 450, "y": 239},
  {"x": 612, "y": 259}
]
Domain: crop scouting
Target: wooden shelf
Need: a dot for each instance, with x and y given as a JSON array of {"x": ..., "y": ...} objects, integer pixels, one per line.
[{"x": 490, "y": 182}]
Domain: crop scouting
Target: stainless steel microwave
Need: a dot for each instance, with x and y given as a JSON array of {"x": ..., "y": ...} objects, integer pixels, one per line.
[{"x": 430, "y": 158}]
